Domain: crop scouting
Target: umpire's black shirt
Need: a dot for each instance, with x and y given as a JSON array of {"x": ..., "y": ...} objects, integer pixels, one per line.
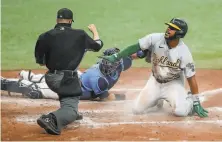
[{"x": 63, "y": 48}]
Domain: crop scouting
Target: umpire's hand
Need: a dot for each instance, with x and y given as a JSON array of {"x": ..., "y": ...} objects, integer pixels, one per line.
[{"x": 92, "y": 28}]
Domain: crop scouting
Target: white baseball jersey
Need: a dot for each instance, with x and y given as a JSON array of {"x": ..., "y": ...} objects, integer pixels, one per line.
[{"x": 168, "y": 64}]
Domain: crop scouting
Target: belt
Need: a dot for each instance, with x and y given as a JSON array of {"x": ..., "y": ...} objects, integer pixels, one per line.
[
  {"x": 161, "y": 81},
  {"x": 67, "y": 72}
]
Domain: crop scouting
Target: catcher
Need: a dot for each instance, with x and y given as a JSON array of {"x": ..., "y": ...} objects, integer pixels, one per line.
[{"x": 95, "y": 81}]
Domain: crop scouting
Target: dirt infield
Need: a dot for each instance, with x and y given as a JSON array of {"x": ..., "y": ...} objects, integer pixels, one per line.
[{"x": 114, "y": 120}]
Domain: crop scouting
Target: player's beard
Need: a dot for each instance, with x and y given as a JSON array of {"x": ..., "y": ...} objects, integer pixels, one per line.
[{"x": 168, "y": 37}]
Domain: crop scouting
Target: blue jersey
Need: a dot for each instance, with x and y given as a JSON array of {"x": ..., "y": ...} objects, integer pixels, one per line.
[{"x": 96, "y": 83}]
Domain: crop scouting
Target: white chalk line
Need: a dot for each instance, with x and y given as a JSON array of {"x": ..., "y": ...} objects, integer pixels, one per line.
[
  {"x": 151, "y": 122},
  {"x": 205, "y": 93},
  {"x": 219, "y": 109},
  {"x": 211, "y": 92},
  {"x": 87, "y": 121},
  {"x": 9, "y": 99},
  {"x": 35, "y": 102}
]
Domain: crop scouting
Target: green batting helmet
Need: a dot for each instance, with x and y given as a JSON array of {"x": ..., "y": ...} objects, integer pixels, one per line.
[{"x": 180, "y": 25}]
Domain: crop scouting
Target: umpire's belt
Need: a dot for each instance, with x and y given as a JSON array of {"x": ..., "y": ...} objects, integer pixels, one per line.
[{"x": 66, "y": 72}]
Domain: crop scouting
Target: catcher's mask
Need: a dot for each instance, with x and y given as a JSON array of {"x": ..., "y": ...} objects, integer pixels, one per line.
[
  {"x": 180, "y": 26},
  {"x": 107, "y": 67}
]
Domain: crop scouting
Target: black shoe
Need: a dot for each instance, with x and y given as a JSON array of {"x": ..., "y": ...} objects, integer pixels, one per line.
[
  {"x": 48, "y": 123},
  {"x": 79, "y": 117}
]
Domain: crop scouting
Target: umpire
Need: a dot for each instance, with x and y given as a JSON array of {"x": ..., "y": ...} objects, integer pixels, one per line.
[{"x": 61, "y": 49}]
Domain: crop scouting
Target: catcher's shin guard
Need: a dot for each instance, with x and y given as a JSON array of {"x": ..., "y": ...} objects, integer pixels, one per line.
[
  {"x": 10, "y": 86},
  {"x": 30, "y": 91}
]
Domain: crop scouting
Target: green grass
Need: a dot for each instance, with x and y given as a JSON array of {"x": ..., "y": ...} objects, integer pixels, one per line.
[{"x": 119, "y": 22}]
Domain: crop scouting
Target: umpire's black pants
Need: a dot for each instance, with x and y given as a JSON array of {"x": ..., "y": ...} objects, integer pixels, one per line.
[
  {"x": 66, "y": 84},
  {"x": 68, "y": 111}
]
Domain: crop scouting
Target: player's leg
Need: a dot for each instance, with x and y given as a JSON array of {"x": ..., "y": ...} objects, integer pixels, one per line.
[
  {"x": 148, "y": 97},
  {"x": 24, "y": 87},
  {"x": 10, "y": 85},
  {"x": 47, "y": 93},
  {"x": 176, "y": 94},
  {"x": 30, "y": 76},
  {"x": 25, "y": 74}
]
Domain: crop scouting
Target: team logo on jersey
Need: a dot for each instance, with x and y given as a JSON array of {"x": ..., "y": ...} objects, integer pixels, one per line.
[
  {"x": 191, "y": 66},
  {"x": 164, "y": 62}
]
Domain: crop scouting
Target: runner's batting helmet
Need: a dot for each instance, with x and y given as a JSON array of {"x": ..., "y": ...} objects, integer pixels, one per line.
[{"x": 180, "y": 25}]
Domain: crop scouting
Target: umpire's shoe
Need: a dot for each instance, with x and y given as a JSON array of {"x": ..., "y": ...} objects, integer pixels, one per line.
[
  {"x": 48, "y": 122},
  {"x": 79, "y": 117}
]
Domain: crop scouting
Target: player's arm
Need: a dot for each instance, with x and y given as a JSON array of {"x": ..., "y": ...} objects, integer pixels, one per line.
[
  {"x": 143, "y": 44},
  {"x": 189, "y": 72},
  {"x": 193, "y": 85},
  {"x": 134, "y": 56},
  {"x": 124, "y": 53}
]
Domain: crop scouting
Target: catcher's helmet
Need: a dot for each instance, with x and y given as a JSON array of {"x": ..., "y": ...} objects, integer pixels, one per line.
[
  {"x": 106, "y": 67},
  {"x": 180, "y": 25},
  {"x": 111, "y": 51}
]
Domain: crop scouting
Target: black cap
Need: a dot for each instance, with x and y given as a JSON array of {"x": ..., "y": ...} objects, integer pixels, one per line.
[{"x": 65, "y": 13}]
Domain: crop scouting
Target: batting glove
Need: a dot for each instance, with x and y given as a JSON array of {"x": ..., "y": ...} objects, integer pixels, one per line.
[{"x": 197, "y": 108}]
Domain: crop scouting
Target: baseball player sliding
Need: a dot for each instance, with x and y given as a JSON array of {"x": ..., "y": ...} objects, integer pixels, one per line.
[
  {"x": 95, "y": 81},
  {"x": 171, "y": 62}
]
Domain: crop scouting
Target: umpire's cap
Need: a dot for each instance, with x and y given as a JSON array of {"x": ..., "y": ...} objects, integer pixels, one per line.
[{"x": 65, "y": 13}]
